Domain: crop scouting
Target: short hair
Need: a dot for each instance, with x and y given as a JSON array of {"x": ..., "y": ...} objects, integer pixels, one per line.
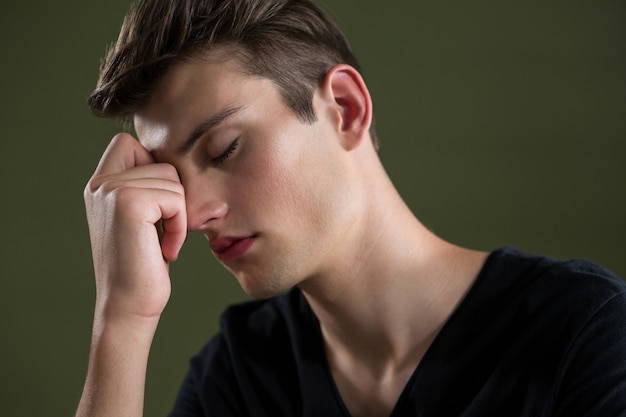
[{"x": 292, "y": 42}]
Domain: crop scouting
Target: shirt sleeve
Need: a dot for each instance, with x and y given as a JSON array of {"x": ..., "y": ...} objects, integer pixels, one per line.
[
  {"x": 187, "y": 403},
  {"x": 209, "y": 388},
  {"x": 594, "y": 379}
]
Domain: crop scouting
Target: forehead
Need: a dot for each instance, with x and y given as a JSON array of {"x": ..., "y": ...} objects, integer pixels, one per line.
[{"x": 192, "y": 91}]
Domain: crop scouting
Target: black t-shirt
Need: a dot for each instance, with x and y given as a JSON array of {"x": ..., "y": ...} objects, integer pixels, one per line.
[{"x": 533, "y": 337}]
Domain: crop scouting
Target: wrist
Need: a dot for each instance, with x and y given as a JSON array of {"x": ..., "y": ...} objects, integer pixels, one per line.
[
  {"x": 109, "y": 320},
  {"x": 118, "y": 361}
]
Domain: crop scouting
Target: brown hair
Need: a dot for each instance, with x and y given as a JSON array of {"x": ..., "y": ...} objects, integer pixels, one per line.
[{"x": 292, "y": 42}]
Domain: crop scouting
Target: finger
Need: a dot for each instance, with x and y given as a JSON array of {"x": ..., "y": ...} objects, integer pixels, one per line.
[
  {"x": 143, "y": 183},
  {"x": 147, "y": 176},
  {"x": 174, "y": 235},
  {"x": 123, "y": 152},
  {"x": 154, "y": 206},
  {"x": 174, "y": 227},
  {"x": 155, "y": 171}
]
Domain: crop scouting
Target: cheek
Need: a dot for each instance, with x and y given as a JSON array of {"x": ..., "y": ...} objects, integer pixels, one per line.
[
  {"x": 263, "y": 182},
  {"x": 293, "y": 183},
  {"x": 284, "y": 187},
  {"x": 304, "y": 187},
  {"x": 279, "y": 183}
]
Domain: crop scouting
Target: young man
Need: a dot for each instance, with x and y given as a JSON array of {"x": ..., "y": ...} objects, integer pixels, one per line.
[{"x": 254, "y": 128}]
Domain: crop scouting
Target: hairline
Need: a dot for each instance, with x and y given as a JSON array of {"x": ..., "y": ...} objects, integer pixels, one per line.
[{"x": 219, "y": 53}]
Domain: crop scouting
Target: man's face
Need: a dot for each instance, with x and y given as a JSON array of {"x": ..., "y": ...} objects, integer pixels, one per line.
[{"x": 268, "y": 190}]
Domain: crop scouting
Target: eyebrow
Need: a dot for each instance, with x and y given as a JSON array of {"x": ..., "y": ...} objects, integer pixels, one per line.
[{"x": 205, "y": 126}]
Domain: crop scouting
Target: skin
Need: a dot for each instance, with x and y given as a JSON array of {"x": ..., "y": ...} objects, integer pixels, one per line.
[
  {"x": 267, "y": 166},
  {"x": 315, "y": 209}
]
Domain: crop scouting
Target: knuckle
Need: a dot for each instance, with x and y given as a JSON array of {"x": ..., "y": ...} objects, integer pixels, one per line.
[
  {"x": 121, "y": 139},
  {"x": 96, "y": 183},
  {"x": 123, "y": 196},
  {"x": 130, "y": 201},
  {"x": 124, "y": 202},
  {"x": 170, "y": 172},
  {"x": 109, "y": 185},
  {"x": 180, "y": 189},
  {"x": 92, "y": 186}
]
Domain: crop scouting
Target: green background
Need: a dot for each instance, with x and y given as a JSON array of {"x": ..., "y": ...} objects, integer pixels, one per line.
[{"x": 501, "y": 124}]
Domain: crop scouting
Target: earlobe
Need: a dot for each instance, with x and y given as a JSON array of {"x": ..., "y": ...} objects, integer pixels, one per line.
[{"x": 351, "y": 104}]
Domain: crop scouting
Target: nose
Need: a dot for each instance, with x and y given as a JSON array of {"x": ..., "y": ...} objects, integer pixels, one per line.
[{"x": 205, "y": 203}]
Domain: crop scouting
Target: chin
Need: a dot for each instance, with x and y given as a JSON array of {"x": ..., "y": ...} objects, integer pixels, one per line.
[
  {"x": 260, "y": 288},
  {"x": 261, "y": 294}
]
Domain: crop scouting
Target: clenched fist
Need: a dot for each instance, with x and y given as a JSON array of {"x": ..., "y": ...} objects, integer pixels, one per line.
[{"x": 137, "y": 224}]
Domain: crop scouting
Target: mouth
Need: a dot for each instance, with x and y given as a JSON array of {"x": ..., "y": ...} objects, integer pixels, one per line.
[{"x": 228, "y": 249}]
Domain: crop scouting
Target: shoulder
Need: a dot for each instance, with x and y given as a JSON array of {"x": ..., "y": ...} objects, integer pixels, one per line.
[
  {"x": 558, "y": 326},
  {"x": 574, "y": 306},
  {"x": 249, "y": 367},
  {"x": 266, "y": 319},
  {"x": 261, "y": 333},
  {"x": 546, "y": 304},
  {"x": 577, "y": 282}
]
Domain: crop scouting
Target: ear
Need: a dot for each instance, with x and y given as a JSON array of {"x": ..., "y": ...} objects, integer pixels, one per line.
[{"x": 350, "y": 103}]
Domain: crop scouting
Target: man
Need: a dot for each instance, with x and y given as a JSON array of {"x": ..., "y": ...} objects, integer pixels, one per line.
[{"x": 254, "y": 127}]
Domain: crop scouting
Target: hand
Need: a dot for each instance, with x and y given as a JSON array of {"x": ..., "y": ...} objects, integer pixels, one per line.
[{"x": 137, "y": 224}]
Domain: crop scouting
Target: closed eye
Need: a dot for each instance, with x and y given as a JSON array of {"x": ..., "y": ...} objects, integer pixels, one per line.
[{"x": 219, "y": 160}]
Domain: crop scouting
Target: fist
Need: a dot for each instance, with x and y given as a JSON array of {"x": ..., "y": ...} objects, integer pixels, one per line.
[{"x": 137, "y": 224}]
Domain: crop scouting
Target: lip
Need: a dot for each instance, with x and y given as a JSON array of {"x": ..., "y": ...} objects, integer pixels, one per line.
[{"x": 228, "y": 249}]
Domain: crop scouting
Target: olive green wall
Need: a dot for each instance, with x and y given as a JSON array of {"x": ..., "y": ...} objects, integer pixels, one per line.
[{"x": 501, "y": 125}]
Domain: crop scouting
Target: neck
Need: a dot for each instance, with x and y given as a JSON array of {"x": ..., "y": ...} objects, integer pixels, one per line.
[{"x": 386, "y": 298}]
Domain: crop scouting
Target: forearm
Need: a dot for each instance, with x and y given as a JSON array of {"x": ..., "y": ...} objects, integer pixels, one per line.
[
  {"x": 116, "y": 374},
  {"x": 125, "y": 198}
]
